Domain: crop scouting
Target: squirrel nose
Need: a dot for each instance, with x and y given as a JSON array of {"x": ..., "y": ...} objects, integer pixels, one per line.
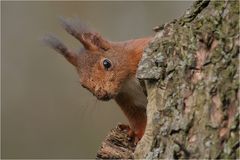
[{"x": 102, "y": 95}]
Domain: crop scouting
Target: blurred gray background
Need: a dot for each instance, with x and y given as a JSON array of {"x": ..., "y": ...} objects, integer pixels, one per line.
[{"x": 45, "y": 113}]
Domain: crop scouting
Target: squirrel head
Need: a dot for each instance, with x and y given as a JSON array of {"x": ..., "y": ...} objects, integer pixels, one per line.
[{"x": 103, "y": 66}]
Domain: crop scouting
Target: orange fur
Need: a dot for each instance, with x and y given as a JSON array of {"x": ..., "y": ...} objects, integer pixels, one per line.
[{"x": 117, "y": 82}]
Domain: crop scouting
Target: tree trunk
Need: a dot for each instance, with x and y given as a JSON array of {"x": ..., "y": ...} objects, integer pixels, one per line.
[{"x": 191, "y": 73}]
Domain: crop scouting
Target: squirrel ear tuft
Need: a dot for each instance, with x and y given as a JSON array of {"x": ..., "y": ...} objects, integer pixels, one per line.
[
  {"x": 96, "y": 41},
  {"x": 53, "y": 42},
  {"x": 91, "y": 40}
]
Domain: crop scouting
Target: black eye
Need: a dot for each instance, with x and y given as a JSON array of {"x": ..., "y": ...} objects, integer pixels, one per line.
[{"x": 107, "y": 64}]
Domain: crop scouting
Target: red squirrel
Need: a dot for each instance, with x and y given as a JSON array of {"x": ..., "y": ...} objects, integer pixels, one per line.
[{"x": 107, "y": 69}]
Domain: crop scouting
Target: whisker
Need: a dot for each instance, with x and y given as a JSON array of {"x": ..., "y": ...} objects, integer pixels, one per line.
[{"x": 93, "y": 107}]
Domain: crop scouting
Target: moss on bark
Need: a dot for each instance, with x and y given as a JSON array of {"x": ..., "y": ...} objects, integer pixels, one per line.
[{"x": 192, "y": 73}]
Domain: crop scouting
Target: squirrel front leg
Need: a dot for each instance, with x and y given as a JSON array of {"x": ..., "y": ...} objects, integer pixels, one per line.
[
  {"x": 137, "y": 122},
  {"x": 132, "y": 102}
]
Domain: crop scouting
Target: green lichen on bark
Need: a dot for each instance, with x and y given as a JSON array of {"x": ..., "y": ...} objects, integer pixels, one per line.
[{"x": 193, "y": 62}]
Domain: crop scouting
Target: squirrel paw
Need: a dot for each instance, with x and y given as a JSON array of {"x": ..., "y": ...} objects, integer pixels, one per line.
[
  {"x": 131, "y": 134},
  {"x": 124, "y": 127}
]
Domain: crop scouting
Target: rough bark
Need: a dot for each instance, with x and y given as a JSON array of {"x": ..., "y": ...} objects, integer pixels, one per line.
[
  {"x": 117, "y": 145},
  {"x": 191, "y": 73}
]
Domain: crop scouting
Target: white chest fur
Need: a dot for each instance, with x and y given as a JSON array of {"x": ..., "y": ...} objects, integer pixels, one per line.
[{"x": 134, "y": 90}]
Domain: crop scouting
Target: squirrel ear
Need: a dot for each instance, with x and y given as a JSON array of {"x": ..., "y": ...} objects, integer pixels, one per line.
[
  {"x": 91, "y": 40},
  {"x": 94, "y": 41},
  {"x": 57, "y": 45}
]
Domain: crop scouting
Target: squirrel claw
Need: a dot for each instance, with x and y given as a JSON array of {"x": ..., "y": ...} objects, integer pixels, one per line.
[
  {"x": 124, "y": 127},
  {"x": 132, "y": 137}
]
